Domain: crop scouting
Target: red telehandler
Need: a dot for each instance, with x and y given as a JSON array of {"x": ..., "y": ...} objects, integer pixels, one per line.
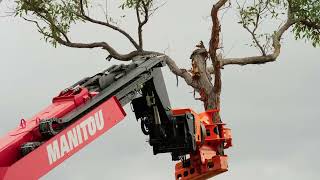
[{"x": 84, "y": 111}]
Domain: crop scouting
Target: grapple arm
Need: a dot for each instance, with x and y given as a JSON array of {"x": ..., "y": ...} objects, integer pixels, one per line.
[{"x": 84, "y": 111}]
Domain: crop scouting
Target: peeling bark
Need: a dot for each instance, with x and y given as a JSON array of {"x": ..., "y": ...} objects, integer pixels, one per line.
[{"x": 199, "y": 58}]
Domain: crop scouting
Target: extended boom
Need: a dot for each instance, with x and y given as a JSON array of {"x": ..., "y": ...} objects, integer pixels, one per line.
[{"x": 84, "y": 111}]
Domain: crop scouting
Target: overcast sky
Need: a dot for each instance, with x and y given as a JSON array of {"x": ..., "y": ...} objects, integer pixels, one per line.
[{"x": 273, "y": 109}]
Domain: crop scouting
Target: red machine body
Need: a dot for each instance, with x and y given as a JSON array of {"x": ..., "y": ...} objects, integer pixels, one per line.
[{"x": 69, "y": 141}]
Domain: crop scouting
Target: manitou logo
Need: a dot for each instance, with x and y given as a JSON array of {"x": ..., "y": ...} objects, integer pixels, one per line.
[{"x": 74, "y": 137}]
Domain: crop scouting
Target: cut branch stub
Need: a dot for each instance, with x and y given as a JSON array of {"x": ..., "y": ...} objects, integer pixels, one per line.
[{"x": 201, "y": 75}]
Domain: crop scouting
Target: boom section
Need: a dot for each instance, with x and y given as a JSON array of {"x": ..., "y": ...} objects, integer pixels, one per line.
[{"x": 26, "y": 149}]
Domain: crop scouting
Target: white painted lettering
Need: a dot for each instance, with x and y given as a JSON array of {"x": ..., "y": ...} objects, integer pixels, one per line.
[
  {"x": 92, "y": 128},
  {"x": 75, "y": 136},
  {"x": 72, "y": 138},
  {"x": 79, "y": 134},
  {"x": 64, "y": 145},
  {"x": 84, "y": 129},
  {"x": 53, "y": 152},
  {"x": 99, "y": 120}
]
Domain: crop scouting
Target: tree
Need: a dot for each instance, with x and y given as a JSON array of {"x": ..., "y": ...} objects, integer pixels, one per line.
[{"x": 53, "y": 19}]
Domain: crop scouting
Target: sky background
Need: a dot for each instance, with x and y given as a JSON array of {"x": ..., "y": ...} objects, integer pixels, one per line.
[{"x": 272, "y": 109}]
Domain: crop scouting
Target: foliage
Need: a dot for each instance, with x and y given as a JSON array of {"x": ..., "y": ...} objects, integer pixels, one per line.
[
  {"x": 136, "y": 3},
  {"x": 306, "y": 13},
  {"x": 52, "y": 17}
]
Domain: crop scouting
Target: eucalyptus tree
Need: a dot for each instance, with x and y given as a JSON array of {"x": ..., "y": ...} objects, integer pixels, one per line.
[{"x": 54, "y": 18}]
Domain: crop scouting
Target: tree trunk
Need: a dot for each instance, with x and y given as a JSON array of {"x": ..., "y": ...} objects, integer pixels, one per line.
[
  {"x": 209, "y": 93},
  {"x": 213, "y": 48}
]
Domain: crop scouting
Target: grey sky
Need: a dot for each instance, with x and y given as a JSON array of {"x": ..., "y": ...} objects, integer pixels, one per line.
[{"x": 273, "y": 109}]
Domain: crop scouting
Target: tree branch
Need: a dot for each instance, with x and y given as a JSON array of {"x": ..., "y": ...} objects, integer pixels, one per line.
[
  {"x": 256, "y": 25},
  {"x": 66, "y": 41},
  {"x": 145, "y": 9},
  {"x": 39, "y": 27},
  {"x": 107, "y": 24},
  {"x": 253, "y": 34},
  {"x": 267, "y": 58},
  {"x": 59, "y": 35},
  {"x": 310, "y": 24},
  {"x": 183, "y": 73},
  {"x": 213, "y": 100},
  {"x": 113, "y": 53},
  {"x": 219, "y": 4}
]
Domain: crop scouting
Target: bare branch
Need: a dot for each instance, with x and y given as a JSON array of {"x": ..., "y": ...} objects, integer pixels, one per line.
[
  {"x": 255, "y": 27},
  {"x": 107, "y": 24},
  {"x": 145, "y": 9},
  {"x": 49, "y": 21},
  {"x": 38, "y": 26},
  {"x": 103, "y": 45},
  {"x": 213, "y": 96},
  {"x": 139, "y": 24},
  {"x": 183, "y": 73},
  {"x": 267, "y": 58},
  {"x": 146, "y": 12},
  {"x": 137, "y": 12},
  {"x": 113, "y": 53},
  {"x": 256, "y": 41},
  {"x": 152, "y": 11},
  {"x": 220, "y": 3}
]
